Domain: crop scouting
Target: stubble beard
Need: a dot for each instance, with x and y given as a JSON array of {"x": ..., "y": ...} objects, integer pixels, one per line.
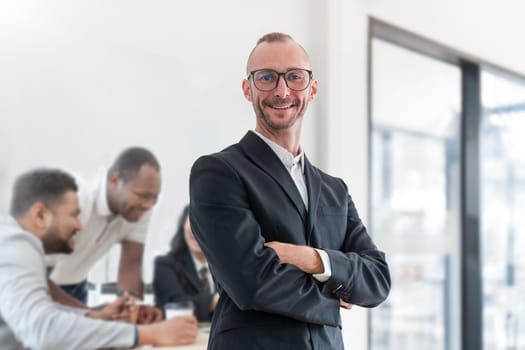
[
  {"x": 53, "y": 244},
  {"x": 267, "y": 120}
]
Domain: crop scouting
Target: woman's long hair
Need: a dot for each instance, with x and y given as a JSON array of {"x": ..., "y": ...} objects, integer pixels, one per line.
[{"x": 178, "y": 242}]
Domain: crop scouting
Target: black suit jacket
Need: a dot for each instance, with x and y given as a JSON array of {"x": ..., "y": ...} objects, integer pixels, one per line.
[
  {"x": 241, "y": 198},
  {"x": 176, "y": 279}
]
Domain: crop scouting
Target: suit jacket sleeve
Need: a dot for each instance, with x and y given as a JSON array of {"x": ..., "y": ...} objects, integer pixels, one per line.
[
  {"x": 360, "y": 274},
  {"x": 230, "y": 236},
  {"x": 168, "y": 287}
]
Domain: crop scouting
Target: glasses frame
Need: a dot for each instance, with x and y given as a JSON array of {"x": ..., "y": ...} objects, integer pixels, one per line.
[{"x": 283, "y": 74}]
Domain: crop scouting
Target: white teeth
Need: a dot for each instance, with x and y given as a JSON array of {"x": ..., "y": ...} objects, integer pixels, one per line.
[{"x": 284, "y": 107}]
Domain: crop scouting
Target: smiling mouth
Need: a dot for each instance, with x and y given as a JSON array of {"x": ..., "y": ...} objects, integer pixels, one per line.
[
  {"x": 281, "y": 104},
  {"x": 282, "y": 108}
]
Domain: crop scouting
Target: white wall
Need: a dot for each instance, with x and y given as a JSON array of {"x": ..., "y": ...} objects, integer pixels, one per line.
[{"x": 81, "y": 80}]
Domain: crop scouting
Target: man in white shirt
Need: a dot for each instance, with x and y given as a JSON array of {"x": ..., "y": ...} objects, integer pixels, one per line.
[
  {"x": 44, "y": 212},
  {"x": 114, "y": 210}
]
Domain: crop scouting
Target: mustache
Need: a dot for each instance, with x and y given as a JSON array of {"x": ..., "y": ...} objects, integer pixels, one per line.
[{"x": 281, "y": 101}]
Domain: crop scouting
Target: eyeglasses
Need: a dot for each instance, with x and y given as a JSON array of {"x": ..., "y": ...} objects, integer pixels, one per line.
[{"x": 268, "y": 79}]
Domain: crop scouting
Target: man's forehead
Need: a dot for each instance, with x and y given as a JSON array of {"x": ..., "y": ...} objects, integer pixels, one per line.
[
  {"x": 146, "y": 173},
  {"x": 148, "y": 180},
  {"x": 278, "y": 55}
]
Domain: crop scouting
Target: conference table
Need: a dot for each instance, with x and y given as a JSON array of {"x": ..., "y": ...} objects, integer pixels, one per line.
[{"x": 201, "y": 343}]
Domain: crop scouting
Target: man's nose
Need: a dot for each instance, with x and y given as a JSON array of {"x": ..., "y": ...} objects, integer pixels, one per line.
[
  {"x": 148, "y": 203},
  {"x": 79, "y": 225},
  {"x": 282, "y": 89}
]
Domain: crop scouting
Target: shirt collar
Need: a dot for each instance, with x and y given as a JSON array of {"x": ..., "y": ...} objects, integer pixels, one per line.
[{"x": 283, "y": 154}]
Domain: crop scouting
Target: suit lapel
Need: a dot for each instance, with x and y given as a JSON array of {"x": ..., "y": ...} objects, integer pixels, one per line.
[
  {"x": 313, "y": 184},
  {"x": 265, "y": 158}
]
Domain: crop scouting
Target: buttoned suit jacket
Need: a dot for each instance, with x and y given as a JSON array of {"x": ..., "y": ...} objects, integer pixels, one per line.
[{"x": 241, "y": 198}]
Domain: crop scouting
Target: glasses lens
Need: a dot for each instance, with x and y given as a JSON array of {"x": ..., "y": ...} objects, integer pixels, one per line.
[
  {"x": 297, "y": 79},
  {"x": 265, "y": 80}
]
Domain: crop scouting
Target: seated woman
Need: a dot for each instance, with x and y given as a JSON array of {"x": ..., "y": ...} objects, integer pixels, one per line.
[{"x": 182, "y": 274}]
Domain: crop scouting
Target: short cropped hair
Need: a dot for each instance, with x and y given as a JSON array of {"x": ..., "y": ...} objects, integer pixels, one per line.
[
  {"x": 129, "y": 162},
  {"x": 272, "y": 38},
  {"x": 178, "y": 242},
  {"x": 46, "y": 186}
]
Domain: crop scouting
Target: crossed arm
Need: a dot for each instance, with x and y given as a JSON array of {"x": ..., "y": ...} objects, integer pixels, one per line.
[
  {"x": 224, "y": 224},
  {"x": 305, "y": 258},
  {"x": 249, "y": 273}
]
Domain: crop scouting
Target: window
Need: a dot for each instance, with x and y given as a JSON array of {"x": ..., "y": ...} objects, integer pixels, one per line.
[
  {"x": 502, "y": 160},
  {"x": 415, "y": 122}
]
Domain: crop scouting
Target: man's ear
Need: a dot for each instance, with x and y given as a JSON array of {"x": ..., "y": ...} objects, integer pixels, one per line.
[
  {"x": 246, "y": 90},
  {"x": 113, "y": 179},
  {"x": 41, "y": 216},
  {"x": 313, "y": 90}
]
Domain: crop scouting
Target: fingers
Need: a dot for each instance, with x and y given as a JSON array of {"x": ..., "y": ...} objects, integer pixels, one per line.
[
  {"x": 176, "y": 331},
  {"x": 146, "y": 316},
  {"x": 158, "y": 315},
  {"x": 188, "y": 320},
  {"x": 150, "y": 314},
  {"x": 122, "y": 317},
  {"x": 189, "y": 329},
  {"x": 122, "y": 300},
  {"x": 344, "y": 304}
]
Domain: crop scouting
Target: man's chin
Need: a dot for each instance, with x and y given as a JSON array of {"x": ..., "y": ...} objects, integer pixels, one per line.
[
  {"x": 67, "y": 249},
  {"x": 133, "y": 215},
  {"x": 279, "y": 121}
]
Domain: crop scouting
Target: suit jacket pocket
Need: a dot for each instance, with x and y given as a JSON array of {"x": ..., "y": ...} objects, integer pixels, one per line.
[
  {"x": 333, "y": 210},
  {"x": 330, "y": 228}
]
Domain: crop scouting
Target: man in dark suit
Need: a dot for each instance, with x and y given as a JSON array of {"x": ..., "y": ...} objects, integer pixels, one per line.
[
  {"x": 283, "y": 239},
  {"x": 182, "y": 274}
]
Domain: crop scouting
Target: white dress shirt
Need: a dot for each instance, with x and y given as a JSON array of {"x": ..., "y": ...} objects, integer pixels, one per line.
[
  {"x": 295, "y": 167},
  {"x": 101, "y": 230},
  {"x": 29, "y": 318},
  {"x": 198, "y": 266}
]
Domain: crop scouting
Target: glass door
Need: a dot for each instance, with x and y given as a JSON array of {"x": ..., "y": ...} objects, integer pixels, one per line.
[
  {"x": 502, "y": 159},
  {"x": 414, "y": 217}
]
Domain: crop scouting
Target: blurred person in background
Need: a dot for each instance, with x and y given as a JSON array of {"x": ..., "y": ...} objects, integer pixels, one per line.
[
  {"x": 182, "y": 274},
  {"x": 115, "y": 209},
  {"x": 44, "y": 219}
]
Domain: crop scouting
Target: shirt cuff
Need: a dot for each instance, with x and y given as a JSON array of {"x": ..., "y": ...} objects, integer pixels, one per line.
[
  {"x": 325, "y": 259},
  {"x": 136, "y": 337}
]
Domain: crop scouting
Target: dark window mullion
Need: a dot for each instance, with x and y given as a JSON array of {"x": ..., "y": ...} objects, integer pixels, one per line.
[{"x": 471, "y": 286}]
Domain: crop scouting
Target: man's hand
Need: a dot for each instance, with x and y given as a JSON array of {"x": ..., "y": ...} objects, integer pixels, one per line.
[
  {"x": 149, "y": 314},
  {"x": 344, "y": 304},
  {"x": 175, "y": 331},
  {"x": 117, "y": 310},
  {"x": 303, "y": 257}
]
